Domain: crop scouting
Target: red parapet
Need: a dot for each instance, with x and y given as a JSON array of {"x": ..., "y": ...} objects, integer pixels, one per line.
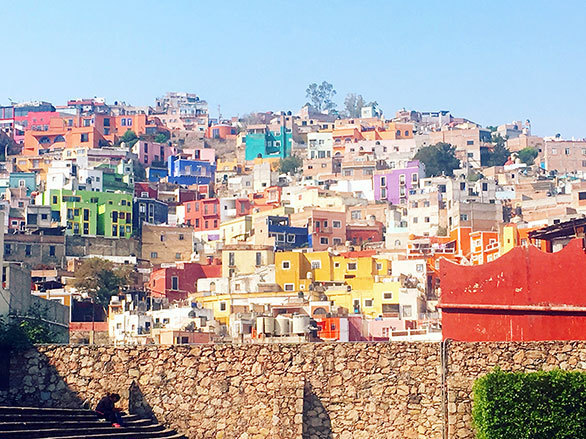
[{"x": 524, "y": 295}]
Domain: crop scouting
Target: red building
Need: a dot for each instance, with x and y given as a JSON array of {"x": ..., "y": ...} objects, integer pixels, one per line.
[
  {"x": 525, "y": 295},
  {"x": 176, "y": 283},
  {"x": 359, "y": 234},
  {"x": 203, "y": 214}
]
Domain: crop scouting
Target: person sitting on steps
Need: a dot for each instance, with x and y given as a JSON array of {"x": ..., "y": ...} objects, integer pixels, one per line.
[{"x": 106, "y": 409}]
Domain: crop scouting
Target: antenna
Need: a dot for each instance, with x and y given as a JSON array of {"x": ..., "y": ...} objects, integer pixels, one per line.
[{"x": 219, "y": 114}]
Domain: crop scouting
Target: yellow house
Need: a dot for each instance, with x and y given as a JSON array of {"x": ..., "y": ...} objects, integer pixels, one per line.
[
  {"x": 354, "y": 281},
  {"x": 223, "y": 305},
  {"x": 236, "y": 230},
  {"x": 245, "y": 258}
]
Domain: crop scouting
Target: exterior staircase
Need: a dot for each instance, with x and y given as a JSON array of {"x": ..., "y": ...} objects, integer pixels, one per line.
[{"x": 49, "y": 423}]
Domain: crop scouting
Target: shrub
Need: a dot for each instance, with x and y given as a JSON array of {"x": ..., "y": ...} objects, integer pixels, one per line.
[{"x": 537, "y": 405}]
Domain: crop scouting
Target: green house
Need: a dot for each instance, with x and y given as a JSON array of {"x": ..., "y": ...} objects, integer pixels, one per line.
[{"x": 88, "y": 213}]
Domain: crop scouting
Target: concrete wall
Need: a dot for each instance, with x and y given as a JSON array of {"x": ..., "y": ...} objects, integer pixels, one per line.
[
  {"x": 320, "y": 390},
  {"x": 85, "y": 245}
]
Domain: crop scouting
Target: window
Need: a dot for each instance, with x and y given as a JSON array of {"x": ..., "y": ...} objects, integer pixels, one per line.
[
  {"x": 469, "y": 142},
  {"x": 415, "y": 220},
  {"x": 368, "y": 303},
  {"x": 426, "y": 219},
  {"x": 351, "y": 266},
  {"x": 464, "y": 217},
  {"x": 323, "y": 240},
  {"x": 28, "y": 250},
  {"x": 407, "y": 310},
  {"x": 379, "y": 266},
  {"x": 462, "y": 186},
  {"x": 414, "y": 178},
  {"x": 231, "y": 258},
  {"x": 174, "y": 283},
  {"x": 258, "y": 258},
  {"x": 388, "y": 295},
  {"x": 315, "y": 265},
  {"x": 222, "y": 306},
  {"x": 177, "y": 255},
  {"x": 419, "y": 268},
  {"x": 355, "y": 215},
  {"x": 402, "y": 179},
  {"x": 291, "y": 239},
  {"x": 484, "y": 187},
  {"x": 154, "y": 255},
  {"x": 337, "y": 224},
  {"x": 285, "y": 265},
  {"x": 567, "y": 151},
  {"x": 51, "y": 250},
  {"x": 85, "y": 137},
  {"x": 337, "y": 241},
  {"x": 7, "y": 249},
  {"x": 289, "y": 287},
  {"x": 554, "y": 150}
]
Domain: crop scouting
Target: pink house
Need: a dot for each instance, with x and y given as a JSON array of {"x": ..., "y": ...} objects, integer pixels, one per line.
[
  {"x": 152, "y": 152},
  {"x": 200, "y": 154},
  {"x": 327, "y": 228}
]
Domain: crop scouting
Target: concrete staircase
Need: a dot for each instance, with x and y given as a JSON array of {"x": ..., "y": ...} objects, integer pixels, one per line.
[{"x": 48, "y": 423}]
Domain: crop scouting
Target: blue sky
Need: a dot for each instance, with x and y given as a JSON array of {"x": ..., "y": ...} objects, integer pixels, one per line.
[{"x": 493, "y": 62}]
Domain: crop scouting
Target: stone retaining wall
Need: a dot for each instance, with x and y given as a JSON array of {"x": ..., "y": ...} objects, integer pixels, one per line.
[{"x": 317, "y": 390}]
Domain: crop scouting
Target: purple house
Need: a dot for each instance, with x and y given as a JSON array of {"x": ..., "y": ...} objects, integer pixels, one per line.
[{"x": 393, "y": 185}]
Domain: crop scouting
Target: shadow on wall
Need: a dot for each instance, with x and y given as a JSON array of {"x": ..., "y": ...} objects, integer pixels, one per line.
[
  {"x": 137, "y": 403},
  {"x": 25, "y": 373},
  {"x": 316, "y": 420}
]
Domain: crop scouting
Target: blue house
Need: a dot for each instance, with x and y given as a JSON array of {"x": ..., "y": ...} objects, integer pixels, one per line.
[
  {"x": 188, "y": 172},
  {"x": 269, "y": 144},
  {"x": 23, "y": 179},
  {"x": 286, "y": 236},
  {"x": 148, "y": 210},
  {"x": 154, "y": 175}
]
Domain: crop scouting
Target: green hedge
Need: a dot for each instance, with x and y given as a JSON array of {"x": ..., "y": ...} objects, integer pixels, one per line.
[{"x": 537, "y": 405}]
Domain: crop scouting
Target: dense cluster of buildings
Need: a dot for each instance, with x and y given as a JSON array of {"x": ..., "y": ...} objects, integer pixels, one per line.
[{"x": 233, "y": 240}]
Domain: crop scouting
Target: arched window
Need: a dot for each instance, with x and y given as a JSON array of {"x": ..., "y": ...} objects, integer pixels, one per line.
[
  {"x": 213, "y": 287},
  {"x": 59, "y": 139}
]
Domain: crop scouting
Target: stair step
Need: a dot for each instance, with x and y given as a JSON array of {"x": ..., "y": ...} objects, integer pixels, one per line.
[
  {"x": 43, "y": 410},
  {"x": 40, "y": 418},
  {"x": 166, "y": 434},
  {"x": 105, "y": 427},
  {"x": 64, "y": 423},
  {"x": 44, "y": 425}
]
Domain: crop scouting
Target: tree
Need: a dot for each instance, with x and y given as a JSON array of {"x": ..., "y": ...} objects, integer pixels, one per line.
[
  {"x": 528, "y": 155},
  {"x": 21, "y": 332},
  {"x": 129, "y": 138},
  {"x": 320, "y": 96},
  {"x": 162, "y": 137},
  {"x": 99, "y": 279},
  {"x": 439, "y": 159},
  {"x": 290, "y": 165},
  {"x": 499, "y": 154},
  {"x": 353, "y": 104}
]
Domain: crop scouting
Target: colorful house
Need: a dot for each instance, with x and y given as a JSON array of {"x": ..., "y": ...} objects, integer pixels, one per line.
[
  {"x": 90, "y": 213},
  {"x": 203, "y": 214},
  {"x": 269, "y": 144},
  {"x": 188, "y": 172},
  {"x": 393, "y": 185},
  {"x": 178, "y": 282}
]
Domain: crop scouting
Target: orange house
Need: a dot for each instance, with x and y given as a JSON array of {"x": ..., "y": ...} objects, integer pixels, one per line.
[
  {"x": 38, "y": 164},
  {"x": 70, "y": 132},
  {"x": 342, "y": 136},
  {"x": 484, "y": 247}
]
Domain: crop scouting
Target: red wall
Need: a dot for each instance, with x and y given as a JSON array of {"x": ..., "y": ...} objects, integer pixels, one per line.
[{"x": 523, "y": 295}]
